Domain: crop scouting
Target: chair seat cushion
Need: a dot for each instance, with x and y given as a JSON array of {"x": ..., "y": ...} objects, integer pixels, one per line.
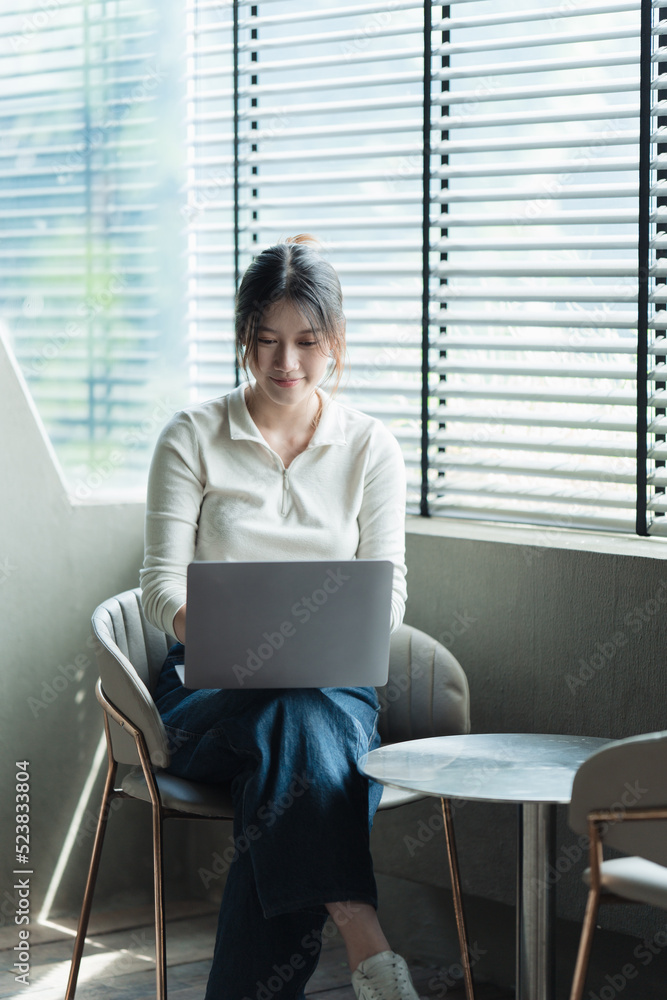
[
  {"x": 634, "y": 878},
  {"x": 186, "y": 796},
  {"x": 216, "y": 800}
]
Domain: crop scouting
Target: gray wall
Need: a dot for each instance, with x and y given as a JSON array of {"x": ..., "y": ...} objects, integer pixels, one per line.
[
  {"x": 524, "y": 611},
  {"x": 57, "y": 561}
]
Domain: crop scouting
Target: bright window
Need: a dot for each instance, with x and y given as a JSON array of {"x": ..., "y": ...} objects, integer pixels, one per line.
[
  {"x": 91, "y": 268},
  {"x": 472, "y": 171}
]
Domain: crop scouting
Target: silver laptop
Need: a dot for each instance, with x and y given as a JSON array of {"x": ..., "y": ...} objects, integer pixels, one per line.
[{"x": 288, "y": 624}]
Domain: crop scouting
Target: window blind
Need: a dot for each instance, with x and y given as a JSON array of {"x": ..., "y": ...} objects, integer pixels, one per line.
[
  {"x": 487, "y": 178},
  {"x": 473, "y": 173},
  {"x": 327, "y": 114},
  {"x": 533, "y": 264},
  {"x": 78, "y": 226}
]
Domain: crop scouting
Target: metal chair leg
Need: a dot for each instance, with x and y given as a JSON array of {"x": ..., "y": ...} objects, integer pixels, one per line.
[
  {"x": 158, "y": 887},
  {"x": 158, "y": 870},
  {"x": 585, "y": 944},
  {"x": 92, "y": 878},
  {"x": 452, "y": 857},
  {"x": 157, "y": 814}
]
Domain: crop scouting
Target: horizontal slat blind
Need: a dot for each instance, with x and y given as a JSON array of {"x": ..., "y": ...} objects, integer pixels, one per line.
[
  {"x": 533, "y": 264},
  {"x": 330, "y": 103},
  {"x": 527, "y": 238},
  {"x": 79, "y": 218},
  {"x": 308, "y": 117},
  {"x": 211, "y": 197},
  {"x": 653, "y": 490}
]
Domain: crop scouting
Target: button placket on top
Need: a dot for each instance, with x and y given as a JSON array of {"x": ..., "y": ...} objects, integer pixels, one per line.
[
  {"x": 284, "y": 507},
  {"x": 243, "y": 428},
  {"x": 284, "y": 473}
]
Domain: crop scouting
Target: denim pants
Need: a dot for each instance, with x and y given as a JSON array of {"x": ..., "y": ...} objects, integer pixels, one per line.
[{"x": 303, "y": 813}]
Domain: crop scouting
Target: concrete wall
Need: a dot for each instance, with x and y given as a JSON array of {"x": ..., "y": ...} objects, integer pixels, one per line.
[{"x": 58, "y": 560}]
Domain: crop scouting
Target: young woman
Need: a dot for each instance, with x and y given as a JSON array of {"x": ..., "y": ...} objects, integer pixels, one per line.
[{"x": 279, "y": 470}]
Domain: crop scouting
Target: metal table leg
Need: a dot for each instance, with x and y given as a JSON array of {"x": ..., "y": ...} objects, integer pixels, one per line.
[
  {"x": 535, "y": 967},
  {"x": 461, "y": 928}
]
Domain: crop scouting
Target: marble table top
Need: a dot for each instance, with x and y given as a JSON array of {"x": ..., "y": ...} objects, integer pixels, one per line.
[{"x": 487, "y": 767}]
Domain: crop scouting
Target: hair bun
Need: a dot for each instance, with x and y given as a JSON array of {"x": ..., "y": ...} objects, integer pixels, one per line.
[{"x": 307, "y": 239}]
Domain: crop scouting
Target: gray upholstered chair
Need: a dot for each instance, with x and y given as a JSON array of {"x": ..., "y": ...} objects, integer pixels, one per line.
[
  {"x": 619, "y": 798},
  {"x": 426, "y": 695}
]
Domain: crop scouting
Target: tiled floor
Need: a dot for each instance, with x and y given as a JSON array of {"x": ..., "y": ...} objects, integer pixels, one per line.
[{"x": 119, "y": 961}]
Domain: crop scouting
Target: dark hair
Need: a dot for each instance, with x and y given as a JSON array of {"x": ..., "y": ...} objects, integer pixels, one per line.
[{"x": 296, "y": 272}]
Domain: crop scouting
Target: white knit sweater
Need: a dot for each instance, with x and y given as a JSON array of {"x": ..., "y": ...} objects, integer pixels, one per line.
[{"x": 217, "y": 490}]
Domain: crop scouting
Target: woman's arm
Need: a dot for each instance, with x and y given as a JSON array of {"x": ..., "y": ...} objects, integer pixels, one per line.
[
  {"x": 179, "y": 624},
  {"x": 382, "y": 515},
  {"x": 172, "y": 513}
]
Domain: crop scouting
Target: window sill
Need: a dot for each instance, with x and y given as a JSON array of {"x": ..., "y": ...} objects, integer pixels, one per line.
[
  {"x": 534, "y": 536},
  {"x": 538, "y": 536}
]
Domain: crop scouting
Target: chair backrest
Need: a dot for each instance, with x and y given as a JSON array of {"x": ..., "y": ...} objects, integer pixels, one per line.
[
  {"x": 426, "y": 693},
  {"x": 130, "y": 654},
  {"x": 630, "y": 773}
]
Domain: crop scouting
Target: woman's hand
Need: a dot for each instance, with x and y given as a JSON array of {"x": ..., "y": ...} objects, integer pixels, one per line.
[{"x": 179, "y": 624}]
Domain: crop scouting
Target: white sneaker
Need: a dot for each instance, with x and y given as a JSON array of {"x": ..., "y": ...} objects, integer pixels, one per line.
[{"x": 383, "y": 977}]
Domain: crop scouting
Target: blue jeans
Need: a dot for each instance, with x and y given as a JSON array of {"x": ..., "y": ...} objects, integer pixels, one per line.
[{"x": 303, "y": 814}]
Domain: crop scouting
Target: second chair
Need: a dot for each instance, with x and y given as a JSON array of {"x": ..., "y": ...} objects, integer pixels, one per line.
[{"x": 619, "y": 798}]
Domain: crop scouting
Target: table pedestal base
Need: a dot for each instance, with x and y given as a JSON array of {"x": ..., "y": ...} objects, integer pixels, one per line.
[{"x": 535, "y": 909}]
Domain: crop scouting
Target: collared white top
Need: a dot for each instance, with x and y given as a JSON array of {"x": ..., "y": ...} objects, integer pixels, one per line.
[{"x": 217, "y": 490}]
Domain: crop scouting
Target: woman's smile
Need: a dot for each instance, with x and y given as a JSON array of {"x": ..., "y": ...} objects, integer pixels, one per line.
[{"x": 285, "y": 383}]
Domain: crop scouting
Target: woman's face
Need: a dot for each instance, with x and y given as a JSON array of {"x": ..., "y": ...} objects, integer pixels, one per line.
[{"x": 290, "y": 361}]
